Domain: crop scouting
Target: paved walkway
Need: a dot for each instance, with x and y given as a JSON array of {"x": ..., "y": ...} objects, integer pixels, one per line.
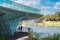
[
  {"x": 19, "y": 36},
  {"x": 23, "y": 38}
]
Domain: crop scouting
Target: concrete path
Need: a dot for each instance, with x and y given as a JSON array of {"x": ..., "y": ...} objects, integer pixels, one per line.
[
  {"x": 19, "y": 36},
  {"x": 23, "y": 38}
]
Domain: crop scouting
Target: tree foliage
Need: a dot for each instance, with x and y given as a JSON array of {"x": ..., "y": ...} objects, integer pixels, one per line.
[{"x": 53, "y": 17}]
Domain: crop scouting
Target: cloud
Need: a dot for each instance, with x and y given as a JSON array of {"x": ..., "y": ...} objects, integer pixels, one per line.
[
  {"x": 28, "y": 3},
  {"x": 48, "y": 2},
  {"x": 45, "y": 7},
  {"x": 45, "y": 12},
  {"x": 57, "y": 6}
]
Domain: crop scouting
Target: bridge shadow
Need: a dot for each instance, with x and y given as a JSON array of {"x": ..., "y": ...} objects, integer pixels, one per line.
[{"x": 17, "y": 35}]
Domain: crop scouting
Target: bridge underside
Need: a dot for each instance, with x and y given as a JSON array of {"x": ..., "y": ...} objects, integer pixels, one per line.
[
  {"x": 21, "y": 13},
  {"x": 9, "y": 19}
]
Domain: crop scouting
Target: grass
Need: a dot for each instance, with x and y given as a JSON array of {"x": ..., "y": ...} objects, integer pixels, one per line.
[
  {"x": 2, "y": 37},
  {"x": 35, "y": 36},
  {"x": 53, "y": 37}
]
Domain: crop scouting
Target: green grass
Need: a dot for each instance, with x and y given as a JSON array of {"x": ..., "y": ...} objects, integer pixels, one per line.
[
  {"x": 2, "y": 37},
  {"x": 53, "y": 37},
  {"x": 35, "y": 36}
]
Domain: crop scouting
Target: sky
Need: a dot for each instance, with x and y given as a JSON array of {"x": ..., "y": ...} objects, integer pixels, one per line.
[{"x": 45, "y": 6}]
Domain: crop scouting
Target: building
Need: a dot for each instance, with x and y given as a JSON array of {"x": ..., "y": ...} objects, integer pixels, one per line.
[{"x": 12, "y": 13}]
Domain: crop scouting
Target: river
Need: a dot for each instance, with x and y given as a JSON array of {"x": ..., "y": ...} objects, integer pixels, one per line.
[{"x": 45, "y": 31}]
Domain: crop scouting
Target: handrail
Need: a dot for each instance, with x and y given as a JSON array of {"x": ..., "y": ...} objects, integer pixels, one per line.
[{"x": 24, "y": 29}]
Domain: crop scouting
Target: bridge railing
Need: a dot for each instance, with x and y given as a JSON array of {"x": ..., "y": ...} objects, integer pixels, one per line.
[{"x": 24, "y": 29}]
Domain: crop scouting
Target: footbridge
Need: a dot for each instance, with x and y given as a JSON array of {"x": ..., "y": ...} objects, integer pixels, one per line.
[{"x": 12, "y": 13}]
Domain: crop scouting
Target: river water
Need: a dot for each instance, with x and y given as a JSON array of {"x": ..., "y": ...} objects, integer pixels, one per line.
[{"x": 45, "y": 31}]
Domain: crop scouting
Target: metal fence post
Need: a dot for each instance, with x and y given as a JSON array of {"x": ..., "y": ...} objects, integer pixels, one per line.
[{"x": 29, "y": 33}]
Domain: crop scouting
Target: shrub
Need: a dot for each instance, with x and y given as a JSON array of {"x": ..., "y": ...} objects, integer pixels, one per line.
[{"x": 2, "y": 37}]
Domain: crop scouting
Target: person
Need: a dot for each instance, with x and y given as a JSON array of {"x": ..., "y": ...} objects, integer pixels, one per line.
[{"x": 21, "y": 28}]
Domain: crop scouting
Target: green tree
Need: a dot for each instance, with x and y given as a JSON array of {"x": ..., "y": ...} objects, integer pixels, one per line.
[{"x": 53, "y": 17}]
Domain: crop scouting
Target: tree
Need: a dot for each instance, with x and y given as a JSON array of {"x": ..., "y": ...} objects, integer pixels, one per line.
[{"x": 53, "y": 17}]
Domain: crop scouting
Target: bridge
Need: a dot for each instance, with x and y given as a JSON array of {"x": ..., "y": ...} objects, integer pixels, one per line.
[{"x": 12, "y": 13}]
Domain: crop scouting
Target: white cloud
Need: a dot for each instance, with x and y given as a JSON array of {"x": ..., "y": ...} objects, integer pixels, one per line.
[
  {"x": 57, "y": 6},
  {"x": 45, "y": 7},
  {"x": 45, "y": 12},
  {"x": 48, "y": 2},
  {"x": 28, "y": 3}
]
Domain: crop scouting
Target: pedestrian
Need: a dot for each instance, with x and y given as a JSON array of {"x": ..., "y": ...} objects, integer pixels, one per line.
[{"x": 21, "y": 28}]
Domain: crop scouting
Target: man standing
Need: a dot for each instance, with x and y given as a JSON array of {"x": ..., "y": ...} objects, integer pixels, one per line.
[{"x": 21, "y": 28}]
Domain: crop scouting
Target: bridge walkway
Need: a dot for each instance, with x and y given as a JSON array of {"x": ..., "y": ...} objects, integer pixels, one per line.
[{"x": 18, "y": 36}]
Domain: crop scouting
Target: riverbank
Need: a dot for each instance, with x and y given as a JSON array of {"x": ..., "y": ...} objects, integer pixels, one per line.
[
  {"x": 50, "y": 23},
  {"x": 44, "y": 23}
]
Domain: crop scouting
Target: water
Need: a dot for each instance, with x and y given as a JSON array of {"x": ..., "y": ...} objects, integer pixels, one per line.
[{"x": 45, "y": 31}]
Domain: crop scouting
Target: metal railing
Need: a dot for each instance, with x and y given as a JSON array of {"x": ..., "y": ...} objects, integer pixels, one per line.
[{"x": 24, "y": 29}]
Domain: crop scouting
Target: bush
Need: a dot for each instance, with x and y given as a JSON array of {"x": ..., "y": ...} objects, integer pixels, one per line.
[
  {"x": 2, "y": 37},
  {"x": 35, "y": 37}
]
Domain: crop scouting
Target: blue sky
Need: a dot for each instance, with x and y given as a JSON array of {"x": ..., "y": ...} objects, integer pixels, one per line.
[{"x": 46, "y": 6}]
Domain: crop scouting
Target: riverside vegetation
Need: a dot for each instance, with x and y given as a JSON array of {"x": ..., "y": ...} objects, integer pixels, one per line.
[
  {"x": 52, "y": 37},
  {"x": 3, "y": 37},
  {"x": 53, "y": 18},
  {"x": 55, "y": 36}
]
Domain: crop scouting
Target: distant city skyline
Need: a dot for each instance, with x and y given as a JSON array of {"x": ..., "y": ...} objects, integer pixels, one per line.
[{"x": 46, "y": 6}]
